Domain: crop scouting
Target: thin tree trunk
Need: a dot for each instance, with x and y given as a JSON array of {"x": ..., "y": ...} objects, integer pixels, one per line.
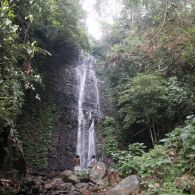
[
  {"x": 165, "y": 13},
  {"x": 151, "y": 136},
  {"x": 154, "y": 131},
  {"x": 132, "y": 18},
  {"x": 149, "y": 127}
]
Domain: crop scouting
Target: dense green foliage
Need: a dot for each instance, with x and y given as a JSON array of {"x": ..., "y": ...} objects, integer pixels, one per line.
[
  {"x": 147, "y": 59},
  {"x": 32, "y": 32},
  {"x": 35, "y": 130},
  {"x": 22, "y": 25},
  {"x": 108, "y": 130},
  {"x": 13, "y": 54},
  {"x": 162, "y": 166}
]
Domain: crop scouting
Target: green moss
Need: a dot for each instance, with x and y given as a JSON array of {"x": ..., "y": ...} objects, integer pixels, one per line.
[{"x": 35, "y": 130}]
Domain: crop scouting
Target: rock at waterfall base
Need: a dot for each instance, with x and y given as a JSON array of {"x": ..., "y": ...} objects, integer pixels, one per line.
[
  {"x": 97, "y": 173},
  {"x": 86, "y": 192},
  {"x": 56, "y": 183},
  {"x": 113, "y": 177},
  {"x": 83, "y": 175},
  {"x": 127, "y": 186},
  {"x": 69, "y": 176}
]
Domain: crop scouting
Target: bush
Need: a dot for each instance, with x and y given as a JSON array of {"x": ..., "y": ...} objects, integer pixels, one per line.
[{"x": 164, "y": 164}]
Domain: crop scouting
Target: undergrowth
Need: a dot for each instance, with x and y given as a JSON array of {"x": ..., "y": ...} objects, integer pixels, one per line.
[{"x": 166, "y": 169}]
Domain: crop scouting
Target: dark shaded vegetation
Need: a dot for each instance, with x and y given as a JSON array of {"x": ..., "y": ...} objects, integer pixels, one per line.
[
  {"x": 34, "y": 36},
  {"x": 146, "y": 61}
]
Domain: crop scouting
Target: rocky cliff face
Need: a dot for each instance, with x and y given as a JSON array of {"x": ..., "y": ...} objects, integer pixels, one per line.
[
  {"x": 63, "y": 144},
  {"x": 48, "y": 127}
]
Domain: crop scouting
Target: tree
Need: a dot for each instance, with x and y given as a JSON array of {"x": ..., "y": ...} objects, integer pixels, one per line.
[
  {"x": 141, "y": 102},
  {"x": 27, "y": 28},
  {"x": 158, "y": 49}
]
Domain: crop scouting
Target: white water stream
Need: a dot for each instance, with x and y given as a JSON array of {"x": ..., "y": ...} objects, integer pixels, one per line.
[{"x": 88, "y": 110}]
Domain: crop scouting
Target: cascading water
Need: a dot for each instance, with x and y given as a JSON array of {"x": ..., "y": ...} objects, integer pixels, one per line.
[{"x": 88, "y": 110}]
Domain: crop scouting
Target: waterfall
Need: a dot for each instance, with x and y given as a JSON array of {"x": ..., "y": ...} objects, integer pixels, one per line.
[{"x": 88, "y": 110}]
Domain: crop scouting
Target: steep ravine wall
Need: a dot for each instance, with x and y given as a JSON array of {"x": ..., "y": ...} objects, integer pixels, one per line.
[
  {"x": 48, "y": 127},
  {"x": 63, "y": 144}
]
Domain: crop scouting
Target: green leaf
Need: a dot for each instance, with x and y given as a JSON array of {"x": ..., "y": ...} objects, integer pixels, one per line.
[
  {"x": 14, "y": 28},
  {"x": 8, "y": 22},
  {"x": 193, "y": 147},
  {"x": 30, "y": 18}
]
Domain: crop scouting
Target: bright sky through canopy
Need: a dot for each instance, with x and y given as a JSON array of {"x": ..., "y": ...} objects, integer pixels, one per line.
[{"x": 93, "y": 25}]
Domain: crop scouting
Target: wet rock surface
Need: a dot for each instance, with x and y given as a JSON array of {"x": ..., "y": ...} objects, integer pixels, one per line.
[
  {"x": 113, "y": 177},
  {"x": 69, "y": 176},
  {"x": 64, "y": 132},
  {"x": 65, "y": 183},
  {"x": 97, "y": 173},
  {"x": 127, "y": 186}
]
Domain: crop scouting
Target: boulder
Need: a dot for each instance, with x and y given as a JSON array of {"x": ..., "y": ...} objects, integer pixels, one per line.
[
  {"x": 86, "y": 192},
  {"x": 39, "y": 181},
  {"x": 113, "y": 177},
  {"x": 72, "y": 193},
  {"x": 127, "y": 186},
  {"x": 55, "y": 183},
  {"x": 59, "y": 192},
  {"x": 69, "y": 176},
  {"x": 66, "y": 186},
  {"x": 82, "y": 185},
  {"x": 186, "y": 180},
  {"x": 97, "y": 173},
  {"x": 28, "y": 180},
  {"x": 83, "y": 175}
]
